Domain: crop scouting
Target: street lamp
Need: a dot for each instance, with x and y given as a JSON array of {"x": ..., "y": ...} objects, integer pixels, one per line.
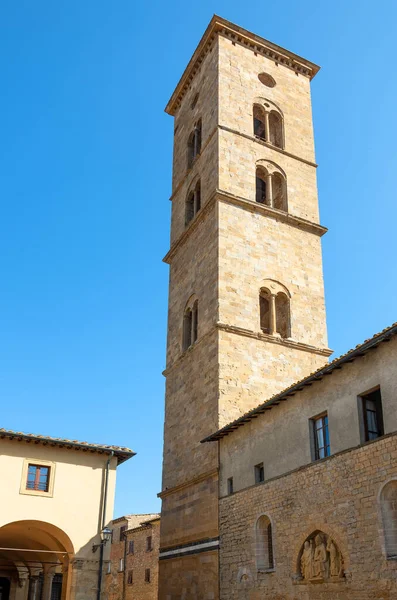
[{"x": 106, "y": 536}]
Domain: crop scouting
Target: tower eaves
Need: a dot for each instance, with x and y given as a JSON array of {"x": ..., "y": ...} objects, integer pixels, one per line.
[{"x": 246, "y": 38}]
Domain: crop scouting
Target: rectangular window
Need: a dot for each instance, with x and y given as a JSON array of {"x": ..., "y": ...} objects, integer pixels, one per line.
[
  {"x": 38, "y": 478},
  {"x": 321, "y": 437},
  {"x": 230, "y": 485},
  {"x": 130, "y": 578},
  {"x": 147, "y": 575},
  {"x": 122, "y": 529},
  {"x": 131, "y": 547},
  {"x": 149, "y": 543},
  {"x": 121, "y": 565},
  {"x": 259, "y": 473},
  {"x": 109, "y": 569},
  {"x": 372, "y": 415}
]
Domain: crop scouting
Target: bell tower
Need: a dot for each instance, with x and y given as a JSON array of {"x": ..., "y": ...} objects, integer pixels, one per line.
[{"x": 246, "y": 313}]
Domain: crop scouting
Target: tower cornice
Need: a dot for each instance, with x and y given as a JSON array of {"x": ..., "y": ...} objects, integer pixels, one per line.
[
  {"x": 220, "y": 26},
  {"x": 249, "y": 205}
]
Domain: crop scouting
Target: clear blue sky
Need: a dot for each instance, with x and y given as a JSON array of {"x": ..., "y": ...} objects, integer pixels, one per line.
[{"x": 85, "y": 178}]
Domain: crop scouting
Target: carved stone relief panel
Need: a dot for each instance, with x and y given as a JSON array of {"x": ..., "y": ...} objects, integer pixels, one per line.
[{"x": 320, "y": 559}]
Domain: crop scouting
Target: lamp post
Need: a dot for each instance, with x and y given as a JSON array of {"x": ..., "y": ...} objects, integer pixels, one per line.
[{"x": 106, "y": 535}]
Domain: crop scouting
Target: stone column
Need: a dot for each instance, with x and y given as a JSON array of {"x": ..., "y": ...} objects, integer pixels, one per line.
[
  {"x": 267, "y": 127},
  {"x": 47, "y": 587},
  {"x": 33, "y": 587},
  {"x": 272, "y": 314},
  {"x": 269, "y": 190}
]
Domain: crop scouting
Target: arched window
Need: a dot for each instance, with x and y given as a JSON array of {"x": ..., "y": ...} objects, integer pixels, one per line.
[
  {"x": 274, "y": 309},
  {"x": 279, "y": 192},
  {"x": 282, "y": 315},
  {"x": 261, "y": 186},
  {"x": 193, "y": 203},
  {"x": 264, "y": 544},
  {"x": 271, "y": 186},
  {"x": 264, "y": 308},
  {"x": 388, "y": 503},
  {"x": 275, "y": 129},
  {"x": 259, "y": 122},
  {"x": 190, "y": 323},
  {"x": 194, "y": 144}
]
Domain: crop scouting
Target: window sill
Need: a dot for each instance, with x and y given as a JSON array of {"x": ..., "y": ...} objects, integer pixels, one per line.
[{"x": 272, "y": 570}]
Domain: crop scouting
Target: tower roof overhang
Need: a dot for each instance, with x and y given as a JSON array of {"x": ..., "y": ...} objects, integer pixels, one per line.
[{"x": 218, "y": 25}]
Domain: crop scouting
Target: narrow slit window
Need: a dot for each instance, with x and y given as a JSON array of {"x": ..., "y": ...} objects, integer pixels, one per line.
[
  {"x": 259, "y": 473},
  {"x": 147, "y": 575},
  {"x": 230, "y": 485}
]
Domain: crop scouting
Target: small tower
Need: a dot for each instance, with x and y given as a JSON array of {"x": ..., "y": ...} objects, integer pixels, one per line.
[{"x": 246, "y": 314}]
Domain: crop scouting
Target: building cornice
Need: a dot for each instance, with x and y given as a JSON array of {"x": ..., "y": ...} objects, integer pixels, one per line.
[
  {"x": 290, "y": 343},
  {"x": 187, "y": 483},
  {"x": 236, "y": 34},
  {"x": 246, "y": 204},
  {"x": 255, "y": 139}
]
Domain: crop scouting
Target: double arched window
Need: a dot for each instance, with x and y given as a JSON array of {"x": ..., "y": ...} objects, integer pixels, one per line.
[
  {"x": 190, "y": 323},
  {"x": 388, "y": 505},
  {"x": 274, "y": 309},
  {"x": 268, "y": 122},
  {"x": 194, "y": 144},
  {"x": 271, "y": 186},
  {"x": 264, "y": 544},
  {"x": 193, "y": 203}
]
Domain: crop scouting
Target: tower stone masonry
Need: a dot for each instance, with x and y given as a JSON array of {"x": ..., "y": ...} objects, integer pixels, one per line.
[{"x": 246, "y": 313}]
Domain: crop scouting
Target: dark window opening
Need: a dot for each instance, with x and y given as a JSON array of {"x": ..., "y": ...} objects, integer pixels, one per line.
[
  {"x": 149, "y": 543},
  {"x": 194, "y": 144},
  {"x": 131, "y": 547},
  {"x": 230, "y": 485},
  {"x": 122, "y": 529},
  {"x": 321, "y": 437},
  {"x": 38, "y": 478},
  {"x": 147, "y": 575},
  {"x": 372, "y": 415},
  {"x": 259, "y": 473},
  {"x": 130, "y": 578},
  {"x": 260, "y": 190}
]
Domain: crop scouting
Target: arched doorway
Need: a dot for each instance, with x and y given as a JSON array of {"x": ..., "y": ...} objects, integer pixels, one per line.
[
  {"x": 35, "y": 561},
  {"x": 4, "y": 588}
]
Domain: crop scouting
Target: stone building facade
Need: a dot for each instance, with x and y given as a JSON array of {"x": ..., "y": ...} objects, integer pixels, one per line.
[
  {"x": 132, "y": 572},
  {"x": 56, "y": 500},
  {"x": 308, "y": 485},
  {"x": 246, "y": 313}
]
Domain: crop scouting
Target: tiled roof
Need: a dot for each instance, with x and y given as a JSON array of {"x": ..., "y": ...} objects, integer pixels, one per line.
[
  {"x": 328, "y": 369},
  {"x": 139, "y": 522},
  {"x": 120, "y": 452}
]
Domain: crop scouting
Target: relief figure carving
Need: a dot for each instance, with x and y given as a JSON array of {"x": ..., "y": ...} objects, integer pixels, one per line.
[{"x": 320, "y": 559}]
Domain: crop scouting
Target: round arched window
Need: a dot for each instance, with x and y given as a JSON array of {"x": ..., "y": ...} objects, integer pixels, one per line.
[{"x": 267, "y": 79}]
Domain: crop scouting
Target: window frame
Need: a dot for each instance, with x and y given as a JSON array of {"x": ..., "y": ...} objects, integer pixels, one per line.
[
  {"x": 364, "y": 431},
  {"x": 130, "y": 545},
  {"x": 121, "y": 567},
  {"x": 130, "y": 577},
  {"x": 259, "y": 472},
  {"x": 122, "y": 531},
  {"x": 49, "y": 493},
  {"x": 229, "y": 483},
  {"x": 313, "y": 437},
  {"x": 147, "y": 575},
  {"x": 149, "y": 543}
]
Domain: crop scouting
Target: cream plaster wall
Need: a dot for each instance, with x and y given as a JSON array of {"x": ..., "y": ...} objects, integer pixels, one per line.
[
  {"x": 76, "y": 502},
  {"x": 280, "y": 438}
]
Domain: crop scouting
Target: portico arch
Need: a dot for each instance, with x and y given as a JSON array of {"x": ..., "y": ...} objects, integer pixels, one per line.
[{"x": 31, "y": 553}]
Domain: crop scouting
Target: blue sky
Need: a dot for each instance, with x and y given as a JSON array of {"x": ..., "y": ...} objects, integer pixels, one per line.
[{"x": 85, "y": 178}]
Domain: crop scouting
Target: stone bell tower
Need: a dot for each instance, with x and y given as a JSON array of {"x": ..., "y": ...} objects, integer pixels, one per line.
[{"x": 246, "y": 313}]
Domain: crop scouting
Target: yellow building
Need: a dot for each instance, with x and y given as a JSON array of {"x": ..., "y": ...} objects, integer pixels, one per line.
[{"x": 57, "y": 497}]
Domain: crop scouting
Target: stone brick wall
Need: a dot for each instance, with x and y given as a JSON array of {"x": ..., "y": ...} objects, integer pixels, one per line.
[
  {"x": 141, "y": 560},
  {"x": 113, "y": 579},
  {"x": 338, "y": 496}
]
